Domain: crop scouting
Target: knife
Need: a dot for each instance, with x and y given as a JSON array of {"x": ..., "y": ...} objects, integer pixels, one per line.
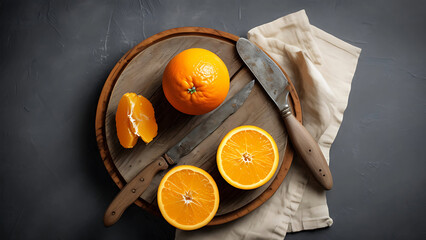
[
  {"x": 141, "y": 181},
  {"x": 275, "y": 83}
]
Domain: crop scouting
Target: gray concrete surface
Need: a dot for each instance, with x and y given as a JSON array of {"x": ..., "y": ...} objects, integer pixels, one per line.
[{"x": 56, "y": 55}]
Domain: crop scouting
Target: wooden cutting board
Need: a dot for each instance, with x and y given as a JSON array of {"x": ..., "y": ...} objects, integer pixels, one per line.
[{"x": 140, "y": 70}]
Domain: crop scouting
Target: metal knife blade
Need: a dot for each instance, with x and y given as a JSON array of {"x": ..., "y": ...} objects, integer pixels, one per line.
[
  {"x": 141, "y": 181},
  {"x": 273, "y": 80},
  {"x": 203, "y": 130},
  {"x": 265, "y": 70}
]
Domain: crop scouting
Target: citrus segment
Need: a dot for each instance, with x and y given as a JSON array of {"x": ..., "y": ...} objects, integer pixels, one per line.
[
  {"x": 144, "y": 119},
  {"x": 188, "y": 197},
  {"x": 135, "y": 118},
  {"x": 195, "y": 81},
  {"x": 247, "y": 157}
]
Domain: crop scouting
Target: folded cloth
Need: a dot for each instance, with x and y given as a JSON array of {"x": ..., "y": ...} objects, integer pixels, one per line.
[{"x": 321, "y": 68}]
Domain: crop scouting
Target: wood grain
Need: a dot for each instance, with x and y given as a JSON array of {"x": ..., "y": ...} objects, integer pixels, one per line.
[
  {"x": 309, "y": 150},
  {"x": 132, "y": 190},
  {"x": 140, "y": 70}
]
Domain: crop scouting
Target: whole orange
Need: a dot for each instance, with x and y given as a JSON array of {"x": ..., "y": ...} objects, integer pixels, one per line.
[{"x": 196, "y": 81}]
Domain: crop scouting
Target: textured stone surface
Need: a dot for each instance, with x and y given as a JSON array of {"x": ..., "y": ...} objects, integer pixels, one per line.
[{"x": 56, "y": 55}]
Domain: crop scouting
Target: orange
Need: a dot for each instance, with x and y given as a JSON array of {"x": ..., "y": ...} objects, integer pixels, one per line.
[
  {"x": 135, "y": 118},
  {"x": 247, "y": 157},
  {"x": 188, "y": 197},
  {"x": 195, "y": 81}
]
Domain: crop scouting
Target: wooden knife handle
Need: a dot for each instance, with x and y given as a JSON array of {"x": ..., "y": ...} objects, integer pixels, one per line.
[
  {"x": 308, "y": 149},
  {"x": 133, "y": 189}
]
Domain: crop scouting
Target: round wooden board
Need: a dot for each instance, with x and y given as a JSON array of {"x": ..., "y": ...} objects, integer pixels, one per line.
[{"x": 140, "y": 70}]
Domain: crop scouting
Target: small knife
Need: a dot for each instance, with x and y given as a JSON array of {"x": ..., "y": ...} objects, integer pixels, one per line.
[
  {"x": 140, "y": 183},
  {"x": 275, "y": 83}
]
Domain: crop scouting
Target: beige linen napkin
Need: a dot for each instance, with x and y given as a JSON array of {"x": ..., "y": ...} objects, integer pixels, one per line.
[{"x": 321, "y": 68}]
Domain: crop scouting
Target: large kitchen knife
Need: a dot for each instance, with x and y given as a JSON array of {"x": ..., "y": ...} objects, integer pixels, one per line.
[
  {"x": 275, "y": 84},
  {"x": 140, "y": 183}
]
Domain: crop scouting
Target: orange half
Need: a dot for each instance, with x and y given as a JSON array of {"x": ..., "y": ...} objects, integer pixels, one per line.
[
  {"x": 188, "y": 197},
  {"x": 247, "y": 157}
]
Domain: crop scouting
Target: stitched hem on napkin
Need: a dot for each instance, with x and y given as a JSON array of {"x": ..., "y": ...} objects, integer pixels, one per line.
[{"x": 300, "y": 221}]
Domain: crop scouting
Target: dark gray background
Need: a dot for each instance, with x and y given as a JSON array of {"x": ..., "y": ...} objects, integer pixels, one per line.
[{"x": 56, "y": 55}]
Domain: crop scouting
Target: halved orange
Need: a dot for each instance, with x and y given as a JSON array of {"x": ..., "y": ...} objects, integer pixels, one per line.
[
  {"x": 247, "y": 157},
  {"x": 135, "y": 118},
  {"x": 188, "y": 197}
]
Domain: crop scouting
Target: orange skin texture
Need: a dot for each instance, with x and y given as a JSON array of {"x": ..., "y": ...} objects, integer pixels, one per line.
[
  {"x": 203, "y": 72},
  {"x": 135, "y": 118}
]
